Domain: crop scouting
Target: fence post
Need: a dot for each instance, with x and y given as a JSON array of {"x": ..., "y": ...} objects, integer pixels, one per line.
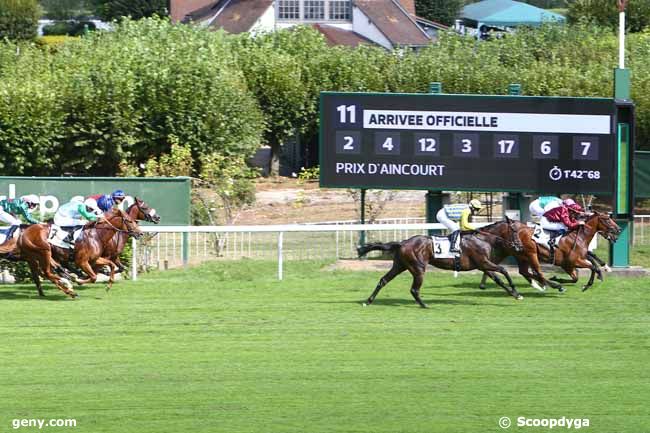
[
  {"x": 134, "y": 259},
  {"x": 280, "y": 239},
  {"x": 185, "y": 247}
]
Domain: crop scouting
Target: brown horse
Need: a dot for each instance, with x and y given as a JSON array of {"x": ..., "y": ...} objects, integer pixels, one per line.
[
  {"x": 91, "y": 250},
  {"x": 138, "y": 211},
  {"x": 33, "y": 247},
  {"x": 478, "y": 249},
  {"x": 571, "y": 253}
]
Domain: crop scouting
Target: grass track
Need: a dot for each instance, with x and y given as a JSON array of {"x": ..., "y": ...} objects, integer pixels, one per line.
[{"x": 227, "y": 348}]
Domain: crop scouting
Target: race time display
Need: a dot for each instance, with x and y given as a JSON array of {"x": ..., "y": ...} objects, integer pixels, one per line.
[{"x": 468, "y": 142}]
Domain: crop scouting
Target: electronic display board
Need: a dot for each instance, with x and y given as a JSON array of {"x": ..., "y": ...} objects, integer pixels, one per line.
[{"x": 468, "y": 142}]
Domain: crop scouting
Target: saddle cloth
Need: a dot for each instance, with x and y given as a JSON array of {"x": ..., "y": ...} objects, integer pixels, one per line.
[
  {"x": 542, "y": 237},
  {"x": 441, "y": 247},
  {"x": 57, "y": 236},
  {"x": 5, "y": 231}
]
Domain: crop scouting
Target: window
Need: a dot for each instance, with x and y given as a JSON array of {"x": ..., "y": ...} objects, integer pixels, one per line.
[
  {"x": 340, "y": 10},
  {"x": 314, "y": 9},
  {"x": 289, "y": 9}
]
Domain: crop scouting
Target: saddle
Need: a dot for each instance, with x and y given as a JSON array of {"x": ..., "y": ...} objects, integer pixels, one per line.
[
  {"x": 546, "y": 238},
  {"x": 59, "y": 236},
  {"x": 8, "y": 233},
  {"x": 442, "y": 247}
]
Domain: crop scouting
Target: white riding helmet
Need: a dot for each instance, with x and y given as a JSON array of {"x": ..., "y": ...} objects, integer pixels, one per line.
[
  {"x": 92, "y": 203},
  {"x": 475, "y": 204},
  {"x": 31, "y": 199}
]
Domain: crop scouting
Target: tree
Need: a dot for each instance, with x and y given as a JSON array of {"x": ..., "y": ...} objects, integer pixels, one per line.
[
  {"x": 110, "y": 10},
  {"x": 19, "y": 19},
  {"x": 440, "y": 11},
  {"x": 62, "y": 10},
  {"x": 605, "y": 13}
]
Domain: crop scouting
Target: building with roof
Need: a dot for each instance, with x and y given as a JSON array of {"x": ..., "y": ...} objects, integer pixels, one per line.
[
  {"x": 506, "y": 14},
  {"x": 387, "y": 23}
]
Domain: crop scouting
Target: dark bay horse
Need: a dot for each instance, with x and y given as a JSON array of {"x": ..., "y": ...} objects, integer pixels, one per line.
[
  {"x": 478, "y": 249},
  {"x": 571, "y": 253}
]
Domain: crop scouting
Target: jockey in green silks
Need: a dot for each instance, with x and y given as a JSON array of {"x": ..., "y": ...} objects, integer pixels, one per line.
[{"x": 10, "y": 209}]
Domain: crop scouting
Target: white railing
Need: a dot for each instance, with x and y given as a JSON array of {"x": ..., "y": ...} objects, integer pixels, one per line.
[
  {"x": 173, "y": 246},
  {"x": 641, "y": 231}
]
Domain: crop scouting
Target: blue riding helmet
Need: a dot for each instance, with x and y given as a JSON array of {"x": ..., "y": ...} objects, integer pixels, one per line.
[{"x": 118, "y": 193}]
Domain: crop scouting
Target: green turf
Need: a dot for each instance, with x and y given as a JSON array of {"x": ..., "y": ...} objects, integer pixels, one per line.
[{"x": 227, "y": 348}]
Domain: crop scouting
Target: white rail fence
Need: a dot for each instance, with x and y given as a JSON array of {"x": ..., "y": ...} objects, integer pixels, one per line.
[{"x": 174, "y": 246}]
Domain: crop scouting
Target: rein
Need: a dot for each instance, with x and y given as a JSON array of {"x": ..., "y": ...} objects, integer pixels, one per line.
[{"x": 106, "y": 221}]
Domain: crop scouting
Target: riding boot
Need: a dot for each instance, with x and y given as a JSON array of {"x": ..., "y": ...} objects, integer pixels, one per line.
[{"x": 453, "y": 238}]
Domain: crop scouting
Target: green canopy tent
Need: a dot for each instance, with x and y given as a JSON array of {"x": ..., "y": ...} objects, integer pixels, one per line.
[{"x": 506, "y": 13}]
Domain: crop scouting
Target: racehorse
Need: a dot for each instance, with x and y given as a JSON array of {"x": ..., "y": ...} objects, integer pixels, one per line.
[
  {"x": 572, "y": 252},
  {"x": 33, "y": 247},
  {"x": 91, "y": 249},
  {"x": 478, "y": 249},
  {"x": 138, "y": 211}
]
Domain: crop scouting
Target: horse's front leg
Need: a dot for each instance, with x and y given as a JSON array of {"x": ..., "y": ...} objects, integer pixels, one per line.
[{"x": 102, "y": 261}]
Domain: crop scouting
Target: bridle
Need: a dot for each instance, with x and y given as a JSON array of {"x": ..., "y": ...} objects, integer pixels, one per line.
[
  {"x": 125, "y": 221},
  {"x": 144, "y": 210},
  {"x": 513, "y": 243}
]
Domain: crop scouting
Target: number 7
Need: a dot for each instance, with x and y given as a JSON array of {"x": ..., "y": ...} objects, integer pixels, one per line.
[{"x": 586, "y": 145}]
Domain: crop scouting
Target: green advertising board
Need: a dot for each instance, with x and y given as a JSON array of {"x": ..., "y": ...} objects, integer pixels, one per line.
[{"x": 170, "y": 196}]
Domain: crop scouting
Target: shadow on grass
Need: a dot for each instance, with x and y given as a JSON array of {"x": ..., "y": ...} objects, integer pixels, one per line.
[
  {"x": 27, "y": 293},
  {"x": 500, "y": 293},
  {"x": 410, "y": 302}
]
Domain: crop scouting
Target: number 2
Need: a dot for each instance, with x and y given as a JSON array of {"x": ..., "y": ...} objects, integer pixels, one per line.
[{"x": 349, "y": 143}]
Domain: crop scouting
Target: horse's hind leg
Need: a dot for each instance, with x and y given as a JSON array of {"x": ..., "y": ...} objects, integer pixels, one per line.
[
  {"x": 44, "y": 262},
  {"x": 482, "y": 286},
  {"x": 392, "y": 273},
  {"x": 490, "y": 268},
  {"x": 36, "y": 278},
  {"x": 418, "y": 279}
]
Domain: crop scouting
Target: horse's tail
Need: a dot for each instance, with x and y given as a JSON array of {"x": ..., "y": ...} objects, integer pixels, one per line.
[{"x": 389, "y": 246}]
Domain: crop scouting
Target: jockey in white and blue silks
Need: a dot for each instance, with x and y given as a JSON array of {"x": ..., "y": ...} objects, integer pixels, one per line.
[
  {"x": 75, "y": 214},
  {"x": 543, "y": 204}
]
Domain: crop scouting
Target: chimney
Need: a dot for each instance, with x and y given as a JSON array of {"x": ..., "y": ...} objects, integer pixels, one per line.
[
  {"x": 408, "y": 5},
  {"x": 179, "y": 8}
]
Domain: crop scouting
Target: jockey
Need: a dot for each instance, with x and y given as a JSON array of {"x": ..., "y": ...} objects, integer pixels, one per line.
[
  {"x": 106, "y": 202},
  {"x": 75, "y": 214},
  {"x": 559, "y": 219},
  {"x": 24, "y": 206},
  {"x": 451, "y": 213},
  {"x": 543, "y": 204}
]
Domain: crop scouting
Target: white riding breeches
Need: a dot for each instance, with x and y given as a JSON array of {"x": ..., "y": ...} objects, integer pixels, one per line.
[
  {"x": 8, "y": 218},
  {"x": 535, "y": 209},
  {"x": 549, "y": 225},
  {"x": 443, "y": 219},
  {"x": 63, "y": 221}
]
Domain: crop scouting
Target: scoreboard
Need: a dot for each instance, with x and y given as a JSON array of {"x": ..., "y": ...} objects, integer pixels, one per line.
[{"x": 468, "y": 142}]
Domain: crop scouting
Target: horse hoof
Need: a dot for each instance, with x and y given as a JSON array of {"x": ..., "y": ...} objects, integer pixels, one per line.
[
  {"x": 584, "y": 288},
  {"x": 519, "y": 298},
  {"x": 537, "y": 287},
  {"x": 482, "y": 287},
  {"x": 363, "y": 304},
  {"x": 561, "y": 290},
  {"x": 424, "y": 306}
]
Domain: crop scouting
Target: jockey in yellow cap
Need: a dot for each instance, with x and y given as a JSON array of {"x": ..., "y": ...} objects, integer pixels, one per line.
[{"x": 451, "y": 213}]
